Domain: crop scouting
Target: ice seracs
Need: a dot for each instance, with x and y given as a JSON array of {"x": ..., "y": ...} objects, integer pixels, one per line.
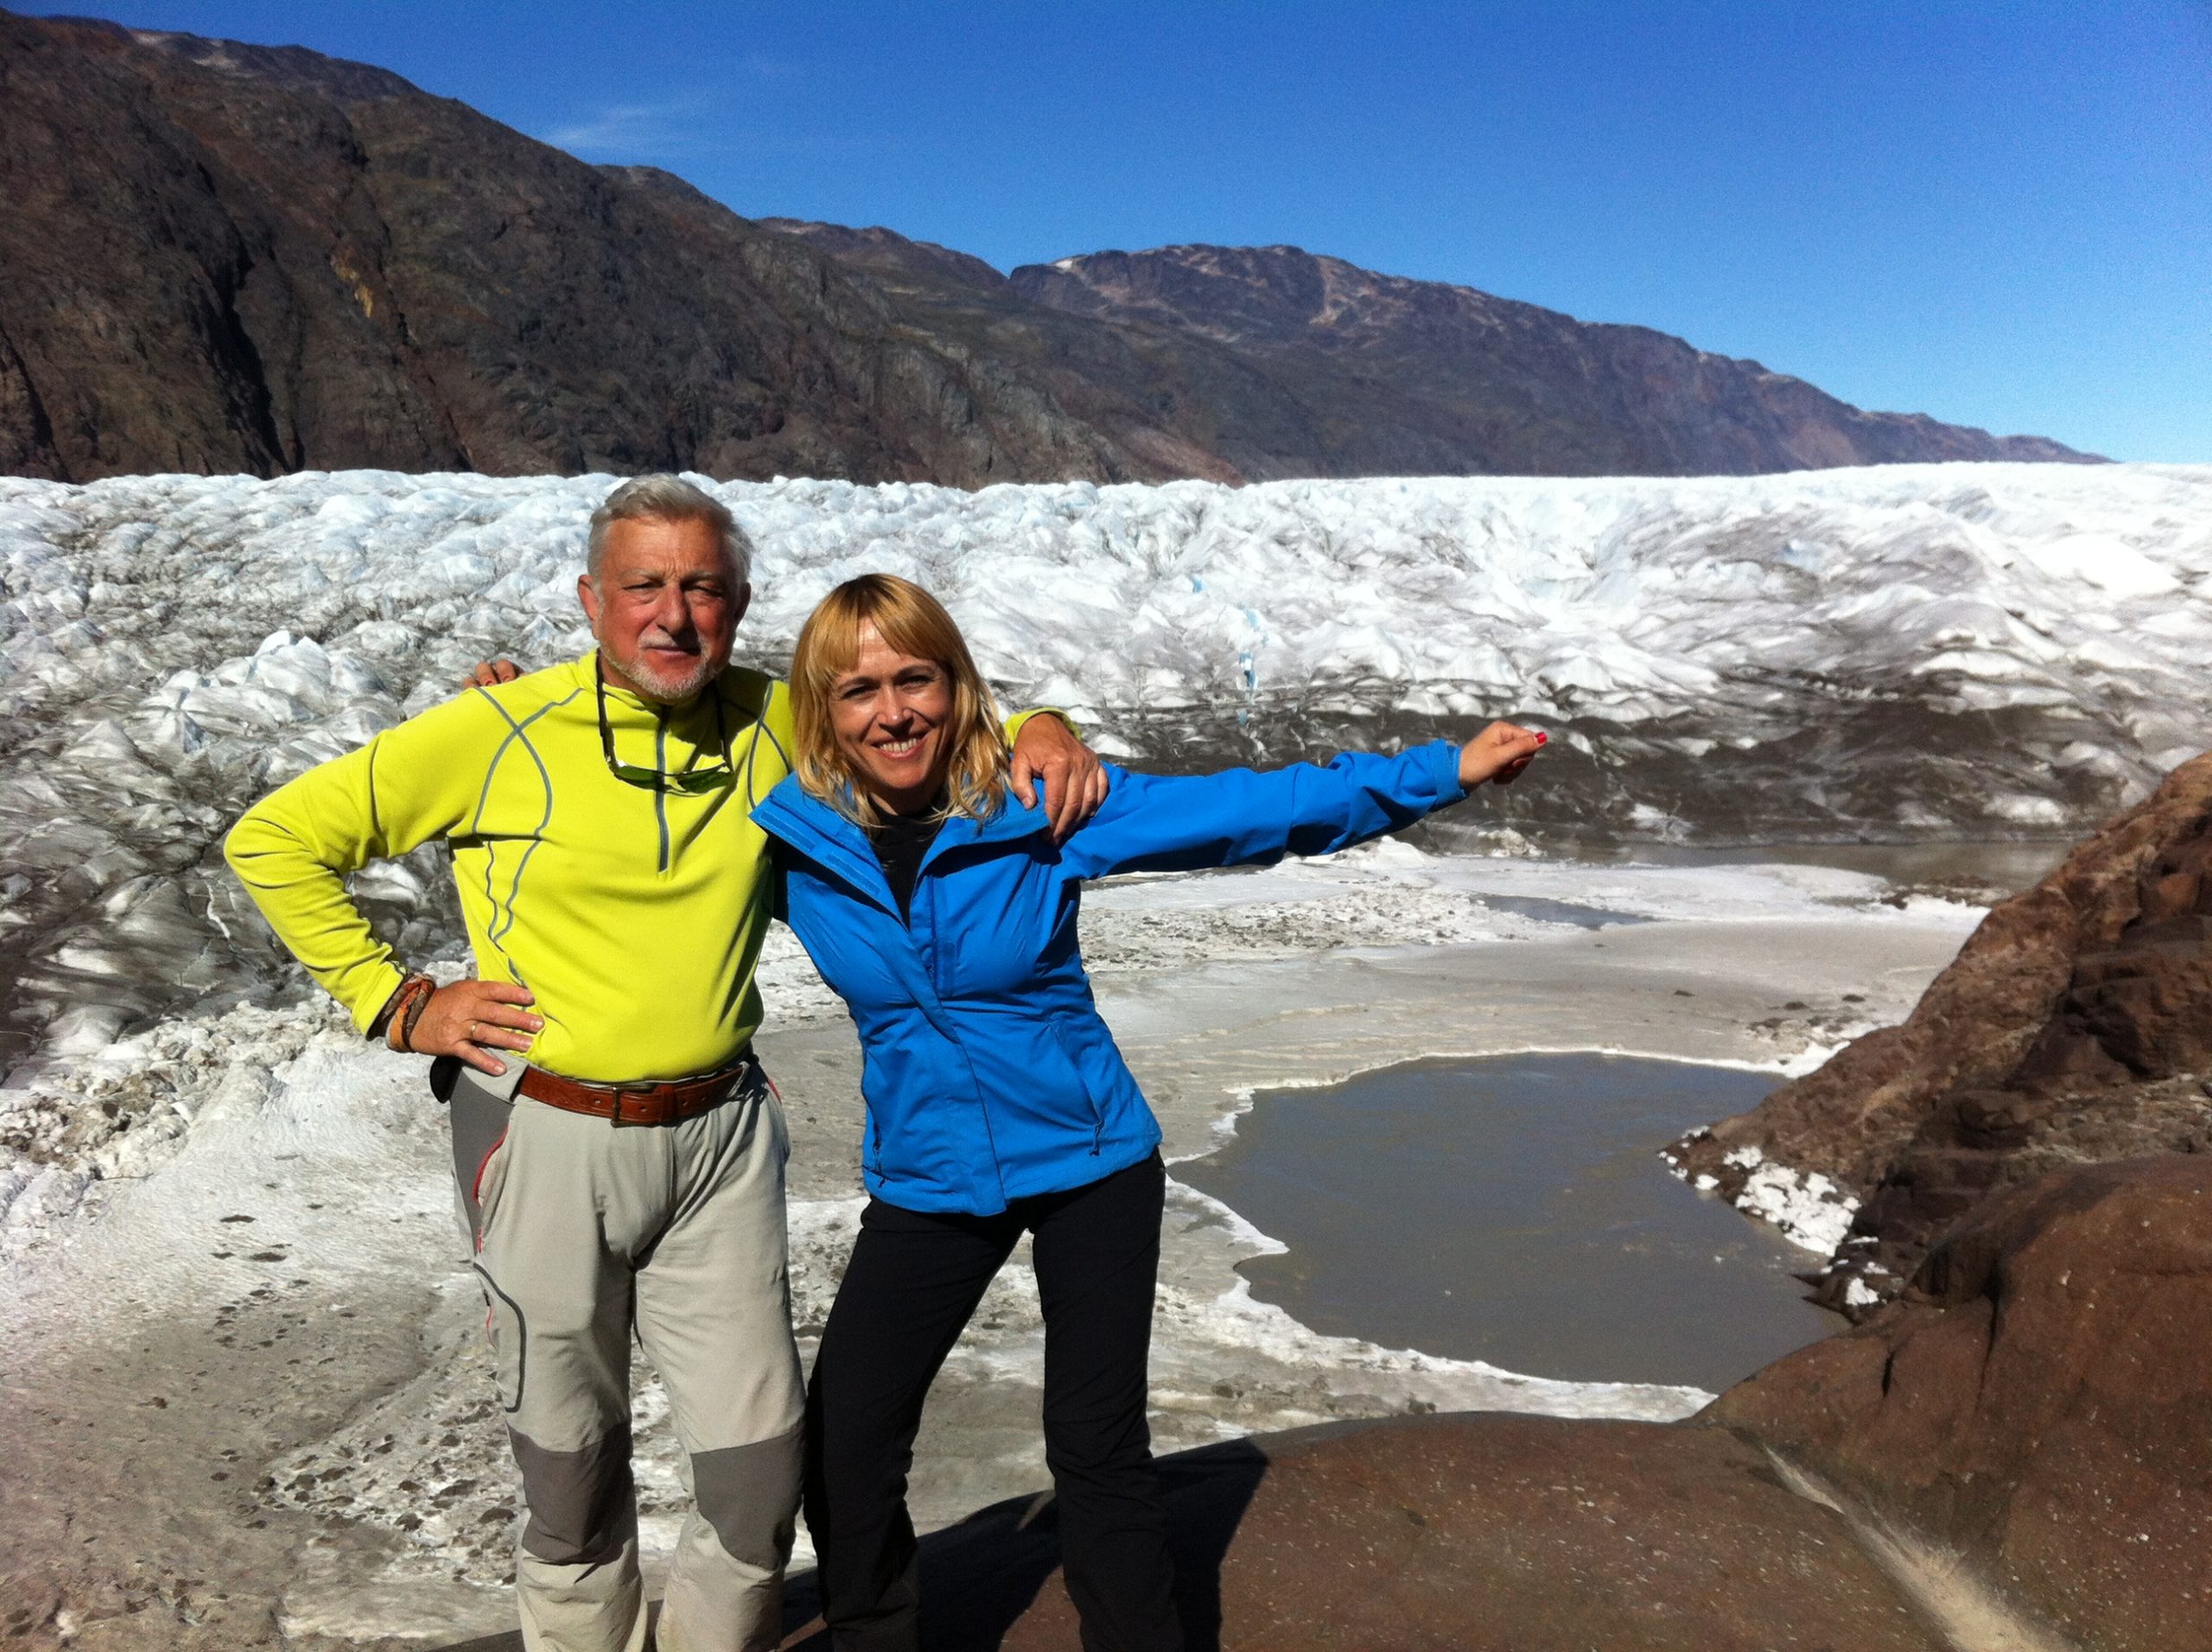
[{"x": 1969, "y": 649}]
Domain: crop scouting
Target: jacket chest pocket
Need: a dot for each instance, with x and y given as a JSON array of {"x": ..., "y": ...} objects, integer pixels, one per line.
[{"x": 988, "y": 942}]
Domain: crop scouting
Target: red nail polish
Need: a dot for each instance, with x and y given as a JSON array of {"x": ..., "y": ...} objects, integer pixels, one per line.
[{"x": 1542, "y": 739}]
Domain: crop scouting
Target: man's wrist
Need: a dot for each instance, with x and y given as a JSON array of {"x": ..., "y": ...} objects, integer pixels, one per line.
[
  {"x": 382, "y": 1018},
  {"x": 1020, "y": 721},
  {"x": 395, "y": 1022}
]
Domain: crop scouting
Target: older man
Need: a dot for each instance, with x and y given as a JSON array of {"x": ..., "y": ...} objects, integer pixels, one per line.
[{"x": 616, "y": 891}]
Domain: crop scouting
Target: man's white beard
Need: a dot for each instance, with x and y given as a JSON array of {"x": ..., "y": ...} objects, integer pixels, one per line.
[{"x": 670, "y": 690}]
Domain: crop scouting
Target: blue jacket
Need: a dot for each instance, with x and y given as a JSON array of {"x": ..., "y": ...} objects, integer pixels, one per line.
[{"x": 988, "y": 1072}]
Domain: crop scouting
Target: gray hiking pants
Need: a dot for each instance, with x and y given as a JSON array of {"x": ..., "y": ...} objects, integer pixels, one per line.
[{"x": 583, "y": 1230}]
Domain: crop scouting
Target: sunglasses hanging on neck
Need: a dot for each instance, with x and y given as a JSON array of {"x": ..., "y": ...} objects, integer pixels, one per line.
[{"x": 687, "y": 780}]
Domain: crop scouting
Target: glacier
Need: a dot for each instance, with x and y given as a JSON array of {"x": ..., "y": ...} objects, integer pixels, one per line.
[{"x": 1895, "y": 654}]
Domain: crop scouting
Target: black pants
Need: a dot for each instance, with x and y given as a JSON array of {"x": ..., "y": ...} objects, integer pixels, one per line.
[{"x": 912, "y": 1282}]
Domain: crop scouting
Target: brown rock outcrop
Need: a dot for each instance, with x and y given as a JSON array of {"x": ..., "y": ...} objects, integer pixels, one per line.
[
  {"x": 1475, "y": 1534},
  {"x": 2039, "y": 1406},
  {"x": 2075, "y": 1026}
]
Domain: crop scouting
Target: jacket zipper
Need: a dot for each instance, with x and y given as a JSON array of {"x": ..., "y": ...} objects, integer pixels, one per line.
[
  {"x": 660, "y": 788},
  {"x": 925, "y": 889}
]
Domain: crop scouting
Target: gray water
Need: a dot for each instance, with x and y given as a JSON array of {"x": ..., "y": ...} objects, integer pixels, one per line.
[
  {"x": 1559, "y": 911},
  {"x": 1988, "y": 870},
  {"x": 1513, "y": 1209}
]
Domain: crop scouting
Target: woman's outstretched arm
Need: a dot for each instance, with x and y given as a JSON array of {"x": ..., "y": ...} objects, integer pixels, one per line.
[{"x": 1153, "y": 823}]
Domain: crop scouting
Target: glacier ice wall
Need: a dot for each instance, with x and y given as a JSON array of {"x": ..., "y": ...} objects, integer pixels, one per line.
[{"x": 1908, "y": 651}]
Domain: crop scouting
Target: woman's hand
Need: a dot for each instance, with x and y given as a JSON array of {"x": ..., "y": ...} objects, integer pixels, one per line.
[
  {"x": 471, "y": 1019},
  {"x": 1499, "y": 754},
  {"x": 489, "y": 674}
]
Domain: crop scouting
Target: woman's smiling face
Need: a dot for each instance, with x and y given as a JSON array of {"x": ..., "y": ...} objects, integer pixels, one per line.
[{"x": 889, "y": 711}]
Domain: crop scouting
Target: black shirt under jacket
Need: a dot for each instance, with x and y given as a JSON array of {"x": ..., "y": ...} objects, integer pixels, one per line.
[{"x": 899, "y": 843}]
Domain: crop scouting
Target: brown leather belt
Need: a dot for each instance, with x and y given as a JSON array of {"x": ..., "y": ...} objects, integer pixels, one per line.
[{"x": 623, "y": 1104}]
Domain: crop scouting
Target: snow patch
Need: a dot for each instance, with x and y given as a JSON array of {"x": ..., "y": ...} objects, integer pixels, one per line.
[{"x": 1807, "y": 1207}]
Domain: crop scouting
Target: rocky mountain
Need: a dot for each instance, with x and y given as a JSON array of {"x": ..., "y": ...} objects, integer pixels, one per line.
[
  {"x": 222, "y": 257},
  {"x": 1417, "y": 375}
]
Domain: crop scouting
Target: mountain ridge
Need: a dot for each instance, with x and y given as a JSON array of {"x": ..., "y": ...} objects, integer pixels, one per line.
[
  {"x": 260, "y": 259},
  {"x": 1445, "y": 343}
]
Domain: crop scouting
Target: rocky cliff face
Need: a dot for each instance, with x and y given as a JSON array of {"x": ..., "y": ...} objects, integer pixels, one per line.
[
  {"x": 1413, "y": 375},
  {"x": 222, "y": 257},
  {"x": 2033, "y": 1419},
  {"x": 2075, "y": 1024}
]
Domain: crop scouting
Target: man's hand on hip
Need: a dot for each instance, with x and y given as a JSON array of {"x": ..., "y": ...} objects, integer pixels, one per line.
[
  {"x": 471, "y": 1019},
  {"x": 1075, "y": 780}
]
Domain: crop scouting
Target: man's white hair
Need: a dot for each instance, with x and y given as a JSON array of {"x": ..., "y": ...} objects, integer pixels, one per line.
[{"x": 664, "y": 497}]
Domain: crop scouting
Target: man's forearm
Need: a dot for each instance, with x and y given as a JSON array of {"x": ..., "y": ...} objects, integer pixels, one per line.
[
  {"x": 294, "y": 848},
  {"x": 303, "y": 898}
]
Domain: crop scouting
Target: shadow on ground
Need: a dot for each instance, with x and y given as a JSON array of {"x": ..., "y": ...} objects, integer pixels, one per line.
[{"x": 981, "y": 1576}]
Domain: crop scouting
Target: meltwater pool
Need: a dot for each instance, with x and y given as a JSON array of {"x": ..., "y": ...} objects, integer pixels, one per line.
[{"x": 1514, "y": 1209}]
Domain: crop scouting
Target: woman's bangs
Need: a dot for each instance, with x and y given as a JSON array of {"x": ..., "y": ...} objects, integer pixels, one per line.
[
  {"x": 908, "y": 627},
  {"x": 830, "y": 642}
]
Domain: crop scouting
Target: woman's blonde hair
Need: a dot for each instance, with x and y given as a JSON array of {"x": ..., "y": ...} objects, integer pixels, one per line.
[{"x": 913, "y": 621}]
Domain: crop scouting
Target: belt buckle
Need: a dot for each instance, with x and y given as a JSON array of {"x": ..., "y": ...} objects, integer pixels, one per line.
[{"x": 614, "y": 1113}]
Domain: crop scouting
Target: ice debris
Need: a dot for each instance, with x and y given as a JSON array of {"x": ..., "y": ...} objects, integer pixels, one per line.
[
  {"x": 1807, "y": 1207},
  {"x": 89, "y": 1119}
]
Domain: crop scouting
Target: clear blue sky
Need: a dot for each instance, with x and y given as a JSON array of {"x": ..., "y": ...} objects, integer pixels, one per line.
[{"x": 2000, "y": 213}]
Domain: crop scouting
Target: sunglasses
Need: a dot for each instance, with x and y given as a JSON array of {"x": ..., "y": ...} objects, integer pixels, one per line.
[{"x": 689, "y": 781}]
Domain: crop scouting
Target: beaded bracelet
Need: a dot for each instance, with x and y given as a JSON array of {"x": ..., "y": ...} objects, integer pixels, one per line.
[
  {"x": 395, "y": 1022},
  {"x": 415, "y": 1011}
]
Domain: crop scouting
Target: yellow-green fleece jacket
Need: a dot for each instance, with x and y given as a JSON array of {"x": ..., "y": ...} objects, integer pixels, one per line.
[{"x": 634, "y": 913}]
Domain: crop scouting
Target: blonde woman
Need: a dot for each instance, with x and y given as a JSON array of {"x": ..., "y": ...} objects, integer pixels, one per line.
[{"x": 944, "y": 914}]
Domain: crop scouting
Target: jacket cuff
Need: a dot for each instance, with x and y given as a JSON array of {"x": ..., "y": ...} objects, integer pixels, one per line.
[
  {"x": 1015, "y": 724},
  {"x": 1448, "y": 789},
  {"x": 370, "y": 999}
]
